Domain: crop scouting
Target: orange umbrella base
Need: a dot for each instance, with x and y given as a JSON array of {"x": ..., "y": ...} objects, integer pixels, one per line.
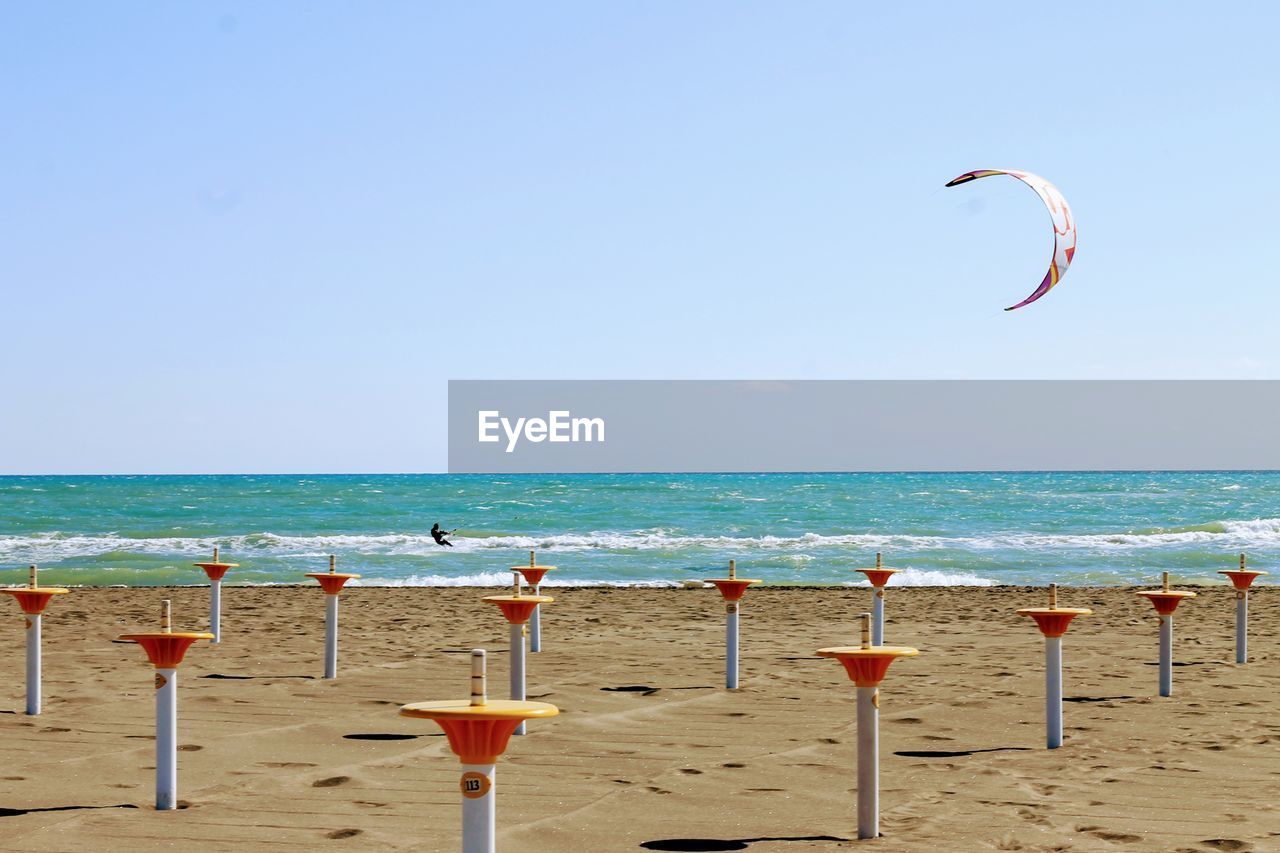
[
  {"x": 532, "y": 576},
  {"x": 478, "y": 734},
  {"x": 166, "y": 651},
  {"x": 1166, "y": 602},
  {"x": 1054, "y": 622},
  {"x": 867, "y": 667},
  {"x": 518, "y": 608},
  {"x": 1242, "y": 578},
  {"x": 215, "y": 571},
  {"x": 878, "y": 577},
  {"x": 732, "y": 589},
  {"x": 332, "y": 583},
  {"x": 34, "y": 601}
]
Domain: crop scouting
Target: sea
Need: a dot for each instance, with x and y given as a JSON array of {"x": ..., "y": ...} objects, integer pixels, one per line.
[{"x": 940, "y": 529}]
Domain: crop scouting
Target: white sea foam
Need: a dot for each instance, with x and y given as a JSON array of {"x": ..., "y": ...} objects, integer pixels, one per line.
[
  {"x": 929, "y": 577},
  {"x": 503, "y": 580},
  {"x": 1258, "y": 525},
  {"x": 54, "y": 546}
]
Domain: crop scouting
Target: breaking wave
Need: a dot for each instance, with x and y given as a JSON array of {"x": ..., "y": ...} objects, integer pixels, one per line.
[
  {"x": 503, "y": 580},
  {"x": 927, "y": 577},
  {"x": 55, "y": 547}
]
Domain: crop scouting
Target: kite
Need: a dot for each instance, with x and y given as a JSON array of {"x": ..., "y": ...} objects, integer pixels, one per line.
[{"x": 1064, "y": 226}]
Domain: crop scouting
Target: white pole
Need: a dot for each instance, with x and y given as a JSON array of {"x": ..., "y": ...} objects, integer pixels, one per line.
[
  {"x": 1053, "y": 691},
  {"x": 478, "y": 813},
  {"x": 215, "y": 610},
  {"x": 868, "y": 763},
  {"x": 517, "y": 668},
  {"x": 331, "y": 636},
  {"x": 1166, "y": 654},
  {"x": 535, "y": 624},
  {"x": 1242, "y": 626},
  {"x": 166, "y": 739},
  {"x": 33, "y": 664},
  {"x": 731, "y": 645},
  {"x": 877, "y": 617}
]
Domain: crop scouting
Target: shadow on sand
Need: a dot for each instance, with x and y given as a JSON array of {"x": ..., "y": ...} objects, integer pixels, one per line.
[
  {"x": 253, "y": 677},
  {"x": 16, "y": 812},
  {"x": 938, "y": 753},
  {"x": 711, "y": 845}
]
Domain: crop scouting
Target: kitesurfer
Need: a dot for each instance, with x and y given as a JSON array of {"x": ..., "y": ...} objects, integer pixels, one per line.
[{"x": 438, "y": 534}]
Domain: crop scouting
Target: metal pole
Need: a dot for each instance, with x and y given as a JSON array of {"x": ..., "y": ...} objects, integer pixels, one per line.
[
  {"x": 535, "y": 624},
  {"x": 166, "y": 739},
  {"x": 868, "y": 763},
  {"x": 331, "y": 636},
  {"x": 877, "y": 616},
  {"x": 478, "y": 812},
  {"x": 1166, "y": 654},
  {"x": 33, "y": 664},
  {"x": 1242, "y": 626},
  {"x": 731, "y": 645},
  {"x": 517, "y": 667},
  {"x": 215, "y": 610},
  {"x": 1053, "y": 691}
]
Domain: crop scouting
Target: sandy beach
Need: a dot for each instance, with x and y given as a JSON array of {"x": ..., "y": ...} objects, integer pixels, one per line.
[{"x": 649, "y": 751}]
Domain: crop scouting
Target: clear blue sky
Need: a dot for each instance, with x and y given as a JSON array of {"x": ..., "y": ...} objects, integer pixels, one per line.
[{"x": 261, "y": 237}]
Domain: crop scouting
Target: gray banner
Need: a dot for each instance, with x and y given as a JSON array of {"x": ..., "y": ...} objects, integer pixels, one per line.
[{"x": 590, "y": 426}]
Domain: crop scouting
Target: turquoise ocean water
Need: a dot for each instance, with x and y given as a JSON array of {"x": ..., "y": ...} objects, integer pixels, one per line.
[{"x": 944, "y": 529}]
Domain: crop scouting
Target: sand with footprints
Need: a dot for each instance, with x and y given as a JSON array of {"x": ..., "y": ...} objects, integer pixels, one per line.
[{"x": 650, "y": 752}]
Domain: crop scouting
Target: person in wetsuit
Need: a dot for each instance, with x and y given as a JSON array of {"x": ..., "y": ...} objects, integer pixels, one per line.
[{"x": 438, "y": 534}]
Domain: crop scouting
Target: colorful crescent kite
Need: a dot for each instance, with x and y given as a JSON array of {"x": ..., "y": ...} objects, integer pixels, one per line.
[{"x": 1064, "y": 226}]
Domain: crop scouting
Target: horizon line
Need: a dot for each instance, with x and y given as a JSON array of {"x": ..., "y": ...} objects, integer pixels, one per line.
[{"x": 653, "y": 473}]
